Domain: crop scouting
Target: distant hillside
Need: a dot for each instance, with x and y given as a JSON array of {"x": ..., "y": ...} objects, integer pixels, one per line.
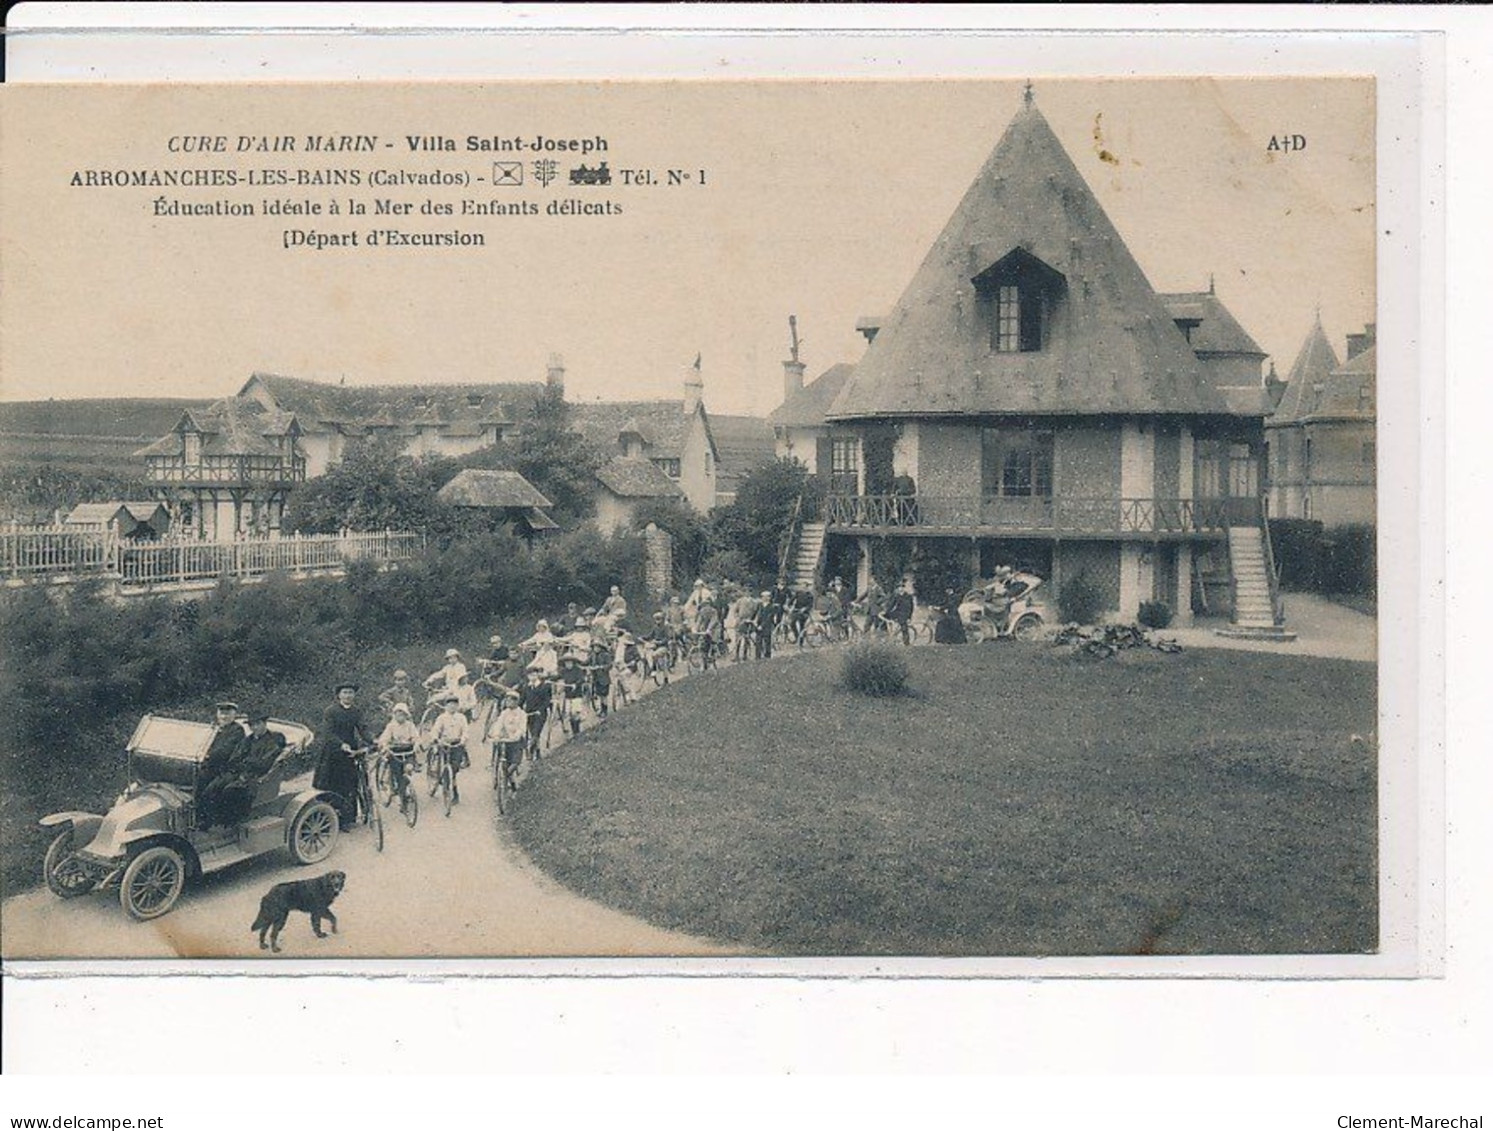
[{"x": 87, "y": 435}]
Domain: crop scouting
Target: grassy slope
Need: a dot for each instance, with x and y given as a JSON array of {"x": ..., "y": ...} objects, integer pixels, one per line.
[{"x": 1023, "y": 802}]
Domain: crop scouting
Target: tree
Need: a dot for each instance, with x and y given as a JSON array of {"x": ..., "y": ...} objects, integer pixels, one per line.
[
  {"x": 375, "y": 487},
  {"x": 547, "y": 452},
  {"x": 756, "y": 522}
]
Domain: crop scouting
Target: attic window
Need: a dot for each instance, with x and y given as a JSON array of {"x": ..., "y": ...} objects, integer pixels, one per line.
[
  {"x": 474, "y": 399},
  {"x": 1015, "y": 297},
  {"x": 669, "y": 467},
  {"x": 422, "y": 400}
]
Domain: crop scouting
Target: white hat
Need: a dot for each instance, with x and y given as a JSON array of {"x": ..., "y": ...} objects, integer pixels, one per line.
[
  {"x": 401, "y": 707},
  {"x": 452, "y": 654},
  {"x": 495, "y": 639}
]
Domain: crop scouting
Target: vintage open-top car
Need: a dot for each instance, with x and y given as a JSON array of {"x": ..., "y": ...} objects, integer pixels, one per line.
[
  {"x": 1007, "y": 605},
  {"x": 149, "y": 842}
]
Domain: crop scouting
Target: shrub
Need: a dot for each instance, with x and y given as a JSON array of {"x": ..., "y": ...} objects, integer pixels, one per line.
[
  {"x": 875, "y": 670},
  {"x": 1154, "y": 614},
  {"x": 1080, "y": 601},
  {"x": 1349, "y": 560},
  {"x": 1298, "y": 547}
]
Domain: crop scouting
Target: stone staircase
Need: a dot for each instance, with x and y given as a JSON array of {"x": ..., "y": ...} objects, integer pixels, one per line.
[
  {"x": 1254, "y": 608},
  {"x": 807, "y": 553}
]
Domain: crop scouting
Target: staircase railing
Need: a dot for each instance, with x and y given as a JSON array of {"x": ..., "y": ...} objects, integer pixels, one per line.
[
  {"x": 1277, "y": 603},
  {"x": 790, "y": 536}
]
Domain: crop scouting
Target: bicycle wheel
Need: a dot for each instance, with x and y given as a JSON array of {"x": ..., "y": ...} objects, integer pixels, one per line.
[
  {"x": 697, "y": 659},
  {"x": 376, "y": 820},
  {"x": 411, "y": 806},
  {"x": 383, "y": 780},
  {"x": 447, "y": 785},
  {"x": 433, "y": 772},
  {"x": 501, "y": 784}
]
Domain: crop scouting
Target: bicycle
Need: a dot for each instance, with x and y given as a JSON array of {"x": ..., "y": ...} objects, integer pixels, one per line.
[
  {"x": 372, "y": 812},
  {"x": 505, "y": 755},
  {"x": 409, "y": 803},
  {"x": 701, "y": 652},
  {"x": 440, "y": 773}
]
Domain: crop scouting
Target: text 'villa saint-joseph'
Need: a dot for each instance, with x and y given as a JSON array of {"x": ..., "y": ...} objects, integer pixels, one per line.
[{"x": 369, "y": 143}]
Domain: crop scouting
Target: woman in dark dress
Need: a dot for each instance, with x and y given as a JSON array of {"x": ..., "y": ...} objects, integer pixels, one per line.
[
  {"x": 949, "y": 629},
  {"x": 337, "y": 769}
]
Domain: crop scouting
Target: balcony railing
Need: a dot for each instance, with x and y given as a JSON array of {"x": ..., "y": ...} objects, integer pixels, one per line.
[
  {"x": 1054, "y": 515},
  {"x": 226, "y": 469}
]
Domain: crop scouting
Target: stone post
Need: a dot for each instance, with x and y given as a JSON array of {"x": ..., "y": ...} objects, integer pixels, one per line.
[{"x": 659, "y": 564}]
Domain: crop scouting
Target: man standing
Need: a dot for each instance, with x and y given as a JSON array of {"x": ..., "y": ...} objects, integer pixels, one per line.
[
  {"x": 337, "y": 770},
  {"x": 900, "y": 609},
  {"x": 769, "y": 612},
  {"x": 228, "y": 736}
]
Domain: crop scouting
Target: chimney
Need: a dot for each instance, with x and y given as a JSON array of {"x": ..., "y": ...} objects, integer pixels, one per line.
[
  {"x": 1357, "y": 343},
  {"x": 554, "y": 374},
  {"x": 1275, "y": 387},
  {"x": 793, "y": 378},
  {"x": 694, "y": 387}
]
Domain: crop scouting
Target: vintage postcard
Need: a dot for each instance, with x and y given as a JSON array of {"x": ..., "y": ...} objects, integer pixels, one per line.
[{"x": 926, "y": 522}]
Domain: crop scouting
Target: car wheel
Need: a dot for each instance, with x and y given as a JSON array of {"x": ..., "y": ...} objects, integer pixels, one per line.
[
  {"x": 65, "y": 876},
  {"x": 152, "y": 883},
  {"x": 313, "y": 833},
  {"x": 1028, "y": 628}
]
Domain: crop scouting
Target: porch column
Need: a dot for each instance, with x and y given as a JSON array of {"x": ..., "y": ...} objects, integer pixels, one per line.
[
  {"x": 863, "y": 566},
  {"x": 1135, "y": 579},
  {"x": 1181, "y": 600},
  {"x": 1184, "y": 461}
]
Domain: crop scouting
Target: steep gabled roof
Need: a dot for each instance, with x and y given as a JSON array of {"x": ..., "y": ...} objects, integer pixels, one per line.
[
  {"x": 1216, "y": 330},
  {"x": 1315, "y": 362},
  {"x": 474, "y": 487},
  {"x": 1348, "y": 393},
  {"x": 233, "y": 426},
  {"x": 662, "y": 425},
  {"x": 1110, "y": 346},
  {"x": 807, "y": 407},
  {"x": 743, "y": 444},
  {"x": 637, "y": 478}
]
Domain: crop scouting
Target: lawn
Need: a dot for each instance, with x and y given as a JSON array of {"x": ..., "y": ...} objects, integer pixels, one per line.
[{"x": 1019, "y": 801}]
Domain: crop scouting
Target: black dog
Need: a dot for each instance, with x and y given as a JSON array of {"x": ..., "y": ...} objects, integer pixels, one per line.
[{"x": 311, "y": 896}]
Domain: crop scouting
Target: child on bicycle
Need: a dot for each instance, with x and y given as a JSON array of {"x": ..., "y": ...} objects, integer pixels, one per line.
[
  {"x": 399, "y": 742},
  {"x": 448, "y": 737},
  {"x": 508, "y": 735},
  {"x": 572, "y": 689},
  {"x": 536, "y": 698}
]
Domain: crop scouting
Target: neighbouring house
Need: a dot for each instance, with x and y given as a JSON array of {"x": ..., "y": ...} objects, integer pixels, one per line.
[
  {"x": 744, "y": 443},
  {"x": 132, "y": 521},
  {"x": 800, "y": 430},
  {"x": 674, "y": 435},
  {"x": 226, "y": 470},
  {"x": 625, "y": 483},
  {"x": 504, "y": 494},
  {"x": 429, "y": 419},
  {"x": 1032, "y": 400},
  {"x": 1323, "y": 449}
]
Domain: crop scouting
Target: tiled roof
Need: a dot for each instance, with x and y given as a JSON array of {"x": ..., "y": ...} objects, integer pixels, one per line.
[
  {"x": 1315, "y": 362},
  {"x": 661, "y": 424},
  {"x": 743, "y": 443},
  {"x": 101, "y": 514},
  {"x": 320, "y": 407},
  {"x": 1217, "y": 330},
  {"x": 636, "y": 478},
  {"x": 503, "y": 489},
  {"x": 1110, "y": 345},
  {"x": 1348, "y": 393},
  {"x": 233, "y": 426},
  {"x": 807, "y": 406}
]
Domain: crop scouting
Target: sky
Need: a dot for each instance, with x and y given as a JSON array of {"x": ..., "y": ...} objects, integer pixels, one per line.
[{"x": 819, "y": 200}]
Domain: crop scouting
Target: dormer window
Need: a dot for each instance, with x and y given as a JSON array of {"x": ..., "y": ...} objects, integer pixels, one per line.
[
  {"x": 669, "y": 467},
  {"x": 191, "y": 447},
  {"x": 422, "y": 400},
  {"x": 474, "y": 399},
  {"x": 1016, "y": 296}
]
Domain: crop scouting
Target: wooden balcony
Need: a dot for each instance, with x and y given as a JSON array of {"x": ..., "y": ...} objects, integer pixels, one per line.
[
  {"x": 227, "y": 470},
  {"x": 1040, "y": 516}
]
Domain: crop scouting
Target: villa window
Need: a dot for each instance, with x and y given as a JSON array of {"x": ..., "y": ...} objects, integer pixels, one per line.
[
  {"x": 669, "y": 467},
  {"x": 191, "y": 447},
  {"x": 1370, "y": 452},
  {"x": 1016, "y": 463},
  {"x": 1015, "y": 297},
  {"x": 845, "y": 456}
]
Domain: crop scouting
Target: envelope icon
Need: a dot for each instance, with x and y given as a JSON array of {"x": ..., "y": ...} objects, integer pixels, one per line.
[{"x": 507, "y": 173}]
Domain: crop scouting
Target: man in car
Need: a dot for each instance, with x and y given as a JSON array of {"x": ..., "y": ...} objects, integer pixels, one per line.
[
  {"x": 230, "y": 795},
  {"x": 228, "y": 736}
]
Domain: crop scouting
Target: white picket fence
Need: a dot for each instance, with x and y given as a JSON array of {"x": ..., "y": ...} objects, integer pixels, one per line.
[{"x": 53, "y": 553}]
